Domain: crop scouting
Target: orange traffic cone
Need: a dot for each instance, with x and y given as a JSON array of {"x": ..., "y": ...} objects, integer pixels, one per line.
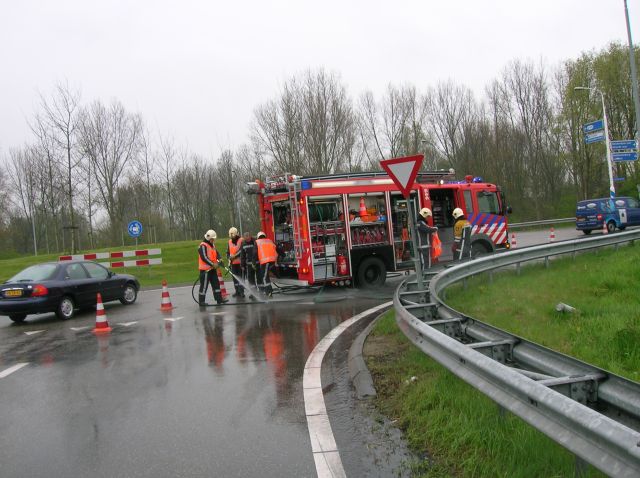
[
  {"x": 102, "y": 325},
  {"x": 552, "y": 235},
  {"x": 363, "y": 207},
  {"x": 166, "y": 300},
  {"x": 513, "y": 241},
  {"x": 223, "y": 290},
  {"x": 605, "y": 229}
]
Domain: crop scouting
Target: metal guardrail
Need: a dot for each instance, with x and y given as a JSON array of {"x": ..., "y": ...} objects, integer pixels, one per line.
[
  {"x": 591, "y": 412},
  {"x": 545, "y": 222}
]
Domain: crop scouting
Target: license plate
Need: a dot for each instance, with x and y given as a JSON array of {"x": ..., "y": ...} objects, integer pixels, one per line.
[
  {"x": 13, "y": 293},
  {"x": 581, "y": 219}
]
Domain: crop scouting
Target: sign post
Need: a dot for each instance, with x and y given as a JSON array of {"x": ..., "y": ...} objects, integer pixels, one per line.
[
  {"x": 135, "y": 230},
  {"x": 403, "y": 172}
]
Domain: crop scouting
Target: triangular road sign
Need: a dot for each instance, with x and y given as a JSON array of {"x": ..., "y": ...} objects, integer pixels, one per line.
[{"x": 403, "y": 171}]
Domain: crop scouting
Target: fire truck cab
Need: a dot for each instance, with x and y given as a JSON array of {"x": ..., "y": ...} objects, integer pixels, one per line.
[{"x": 353, "y": 227}]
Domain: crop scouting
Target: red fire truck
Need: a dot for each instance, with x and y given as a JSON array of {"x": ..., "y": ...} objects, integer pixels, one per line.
[{"x": 348, "y": 227}]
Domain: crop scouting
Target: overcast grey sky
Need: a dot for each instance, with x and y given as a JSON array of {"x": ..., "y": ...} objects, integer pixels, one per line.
[{"x": 197, "y": 69}]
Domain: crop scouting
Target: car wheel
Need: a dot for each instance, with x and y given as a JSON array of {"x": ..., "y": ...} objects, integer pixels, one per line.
[
  {"x": 18, "y": 318},
  {"x": 586, "y": 232},
  {"x": 611, "y": 227},
  {"x": 66, "y": 308},
  {"x": 129, "y": 294},
  {"x": 372, "y": 273}
]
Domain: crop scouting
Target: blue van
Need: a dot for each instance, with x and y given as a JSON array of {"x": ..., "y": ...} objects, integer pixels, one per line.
[{"x": 620, "y": 212}]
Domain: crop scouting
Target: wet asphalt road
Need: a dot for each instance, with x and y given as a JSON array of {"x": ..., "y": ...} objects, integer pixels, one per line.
[
  {"x": 214, "y": 392},
  {"x": 188, "y": 393}
]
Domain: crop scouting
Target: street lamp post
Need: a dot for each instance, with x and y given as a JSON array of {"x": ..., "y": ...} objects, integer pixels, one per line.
[
  {"x": 612, "y": 188},
  {"x": 634, "y": 74}
]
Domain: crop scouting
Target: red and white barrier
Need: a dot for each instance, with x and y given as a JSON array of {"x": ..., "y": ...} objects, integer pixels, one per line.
[{"x": 117, "y": 255}]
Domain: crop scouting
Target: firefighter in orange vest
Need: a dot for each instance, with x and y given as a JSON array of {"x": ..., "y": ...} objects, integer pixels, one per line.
[
  {"x": 267, "y": 257},
  {"x": 234, "y": 248},
  {"x": 208, "y": 262}
]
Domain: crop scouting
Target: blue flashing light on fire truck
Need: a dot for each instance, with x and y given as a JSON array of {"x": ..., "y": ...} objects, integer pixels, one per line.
[{"x": 353, "y": 227}]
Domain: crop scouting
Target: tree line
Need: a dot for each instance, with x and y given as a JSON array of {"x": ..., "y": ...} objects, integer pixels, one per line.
[{"x": 90, "y": 168}]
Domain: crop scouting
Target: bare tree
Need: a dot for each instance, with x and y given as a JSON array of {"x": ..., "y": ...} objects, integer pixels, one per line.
[
  {"x": 22, "y": 176},
  {"x": 111, "y": 139},
  {"x": 450, "y": 108},
  {"x": 60, "y": 118}
]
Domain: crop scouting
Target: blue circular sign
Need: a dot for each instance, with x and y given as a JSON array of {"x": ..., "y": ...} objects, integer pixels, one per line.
[{"x": 135, "y": 228}]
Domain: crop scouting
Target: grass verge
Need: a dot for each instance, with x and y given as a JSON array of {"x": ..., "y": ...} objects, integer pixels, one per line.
[{"x": 459, "y": 428}]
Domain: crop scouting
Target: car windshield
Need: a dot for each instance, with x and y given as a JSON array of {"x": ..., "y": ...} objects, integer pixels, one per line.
[{"x": 35, "y": 273}]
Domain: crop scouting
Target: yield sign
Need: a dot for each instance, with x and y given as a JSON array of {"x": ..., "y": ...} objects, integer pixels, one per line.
[{"x": 403, "y": 171}]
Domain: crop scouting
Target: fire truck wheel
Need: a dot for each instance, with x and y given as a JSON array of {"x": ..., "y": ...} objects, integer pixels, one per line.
[
  {"x": 372, "y": 273},
  {"x": 479, "y": 249}
]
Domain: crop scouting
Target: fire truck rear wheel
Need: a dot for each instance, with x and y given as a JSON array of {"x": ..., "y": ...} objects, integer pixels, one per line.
[{"x": 372, "y": 273}]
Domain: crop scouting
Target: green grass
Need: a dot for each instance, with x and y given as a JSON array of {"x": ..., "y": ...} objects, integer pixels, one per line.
[
  {"x": 179, "y": 263},
  {"x": 602, "y": 287},
  {"x": 458, "y": 428}
]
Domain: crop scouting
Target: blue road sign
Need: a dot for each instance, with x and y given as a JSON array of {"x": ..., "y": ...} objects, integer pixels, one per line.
[
  {"x": 618, "y": 179},
  {"x": 631, "y": 156},
  {"x": 135, "y": 228},
  {"x": 594, "y": 137},
  {"x": 623, "y": 145},
  {"x": 593, "y": 126}
]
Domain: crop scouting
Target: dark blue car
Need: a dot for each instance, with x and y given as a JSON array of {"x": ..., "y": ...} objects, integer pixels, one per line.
[
  {"x": 594, "y": 214},
  {"x": 62, "y": 287}
]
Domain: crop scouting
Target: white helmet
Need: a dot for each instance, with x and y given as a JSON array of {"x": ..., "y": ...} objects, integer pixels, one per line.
[
  {"x": 233, "y": 232},
  {"x": 457, "y": 212},
  {"x": 210, "y": 235},
  {"x": 261, "y": 234},
  {"x": 425, "y": 212}
]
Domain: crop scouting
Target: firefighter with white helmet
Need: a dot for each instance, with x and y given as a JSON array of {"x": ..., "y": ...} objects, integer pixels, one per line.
[
  {"x": 425, "y": 232},
  {"x": 267, "y": 257},
  {"x": 459, "y": 227},
  {"x": 208, "y": 262},
  {"x": 234, "y": 249}
]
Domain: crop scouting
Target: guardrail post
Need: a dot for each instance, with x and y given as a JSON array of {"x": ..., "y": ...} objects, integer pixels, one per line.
[
  {"x": 490, "y": 277},
  {"x": 465, "y": 283},
  {"x": 546, "y": 262},
  {"x": 518, "y": 268}
]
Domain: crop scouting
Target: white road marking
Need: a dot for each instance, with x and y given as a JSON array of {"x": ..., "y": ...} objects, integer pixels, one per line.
[
  {"x": 217, "y": 313},
  {"x": 76, "y": 329},
  {"x": 127, "y": 324},
  {"x": 33, "y": 332},
  {"x": 323, "y": 444},
  {"x": 15, "y": 368},
  {"x": 171, "y": 319}
]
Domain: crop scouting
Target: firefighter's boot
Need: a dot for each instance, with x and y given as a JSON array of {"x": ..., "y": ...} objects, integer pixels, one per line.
[
  {"x": 219, "y": 298},
  {"x": 201, "y": 300}
]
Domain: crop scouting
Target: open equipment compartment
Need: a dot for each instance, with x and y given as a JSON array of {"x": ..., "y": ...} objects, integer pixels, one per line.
[{"x": 327, "y": 233}]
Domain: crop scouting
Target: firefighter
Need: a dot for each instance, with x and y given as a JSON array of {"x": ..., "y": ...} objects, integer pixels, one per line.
[
  {"x": 267, "y": 256},
  {"x": 424, "y": 236},
  {"x": 208, "y": 262},
  {"x": 234, "y": 249},
  {"x": 461, "y": 233},
  {"x": 249, "y": 259}
]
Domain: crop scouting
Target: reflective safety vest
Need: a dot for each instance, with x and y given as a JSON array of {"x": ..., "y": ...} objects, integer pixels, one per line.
[
  {"x": 234, "y": 249},
  {"x": 212, "y": 255},
  {"x": 266, "y": 251}
]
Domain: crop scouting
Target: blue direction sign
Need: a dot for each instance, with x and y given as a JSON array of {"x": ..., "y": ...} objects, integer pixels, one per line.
[
  {"x": 624, "y": 144},
  {"x": 135, "y": 228},
  {"x": 594, "y": 137},
  {"x": 627, "y": 156},
  {"x": 593, "y": 126}
]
